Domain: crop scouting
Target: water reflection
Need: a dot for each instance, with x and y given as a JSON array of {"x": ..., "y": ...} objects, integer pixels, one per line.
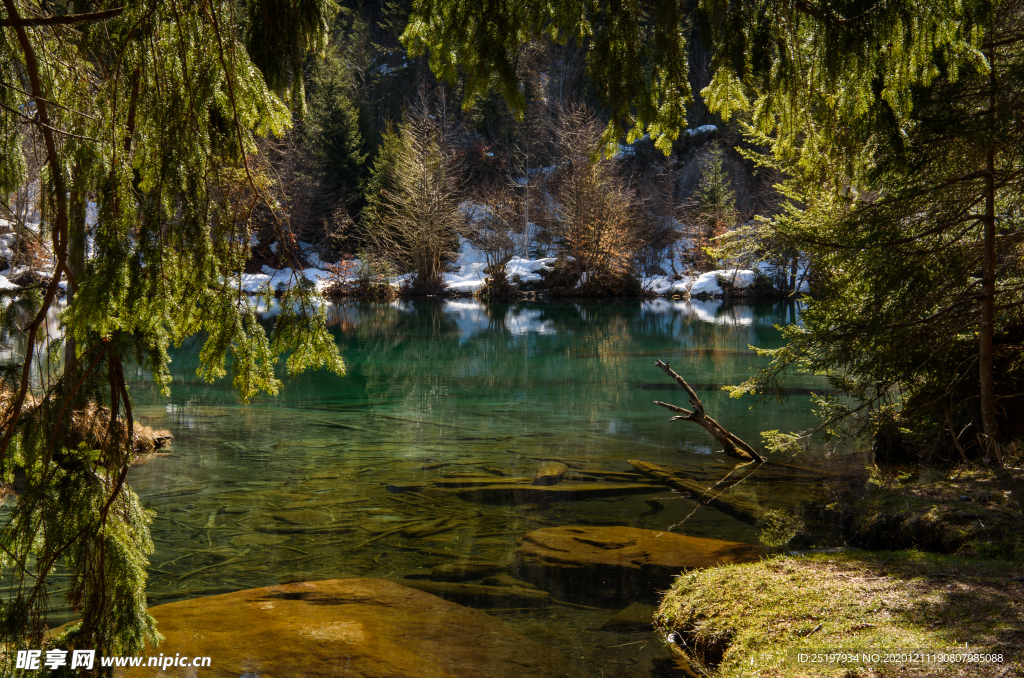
[
  {"x": 47, "y": 352},
  {"x": 472, "y": 317}
]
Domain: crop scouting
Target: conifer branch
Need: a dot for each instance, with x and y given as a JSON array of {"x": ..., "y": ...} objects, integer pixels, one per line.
[
  {"x": 59, "y": 229},
  {"x": 17, "y": 22}
]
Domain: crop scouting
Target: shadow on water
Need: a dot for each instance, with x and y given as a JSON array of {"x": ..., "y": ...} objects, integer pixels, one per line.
[{"x": 424, "y": 455}]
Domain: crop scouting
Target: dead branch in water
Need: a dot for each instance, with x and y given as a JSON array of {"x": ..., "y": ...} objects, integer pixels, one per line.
[
  {"x": 733, "y": 446},
  {"x": 734, "y": 505}
]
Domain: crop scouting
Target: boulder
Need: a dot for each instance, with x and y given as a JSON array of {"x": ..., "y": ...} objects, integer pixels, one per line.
[
  {"x": 617, "y": 565},
  {"x": 357, "y": 628}
]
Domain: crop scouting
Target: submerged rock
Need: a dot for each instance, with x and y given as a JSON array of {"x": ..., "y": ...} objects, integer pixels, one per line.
[
  {"x": 357, "y": 628},
  {"x": 504, "y": 493},
  {"x": 479, "y": 481},
  {"x": 505, "y": 579},
  {"x": 550, "y": 473},
  {"x": 616, "y": 565},
  {"x": 432, "y": 527},
  {"x": 478, "y": 595},
  {"x": 465, "y": 571},
  {"x": 636, "y": 617}
]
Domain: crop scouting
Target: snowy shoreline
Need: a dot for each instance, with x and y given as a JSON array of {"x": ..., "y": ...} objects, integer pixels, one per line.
[{"x": 467, "y": 277}]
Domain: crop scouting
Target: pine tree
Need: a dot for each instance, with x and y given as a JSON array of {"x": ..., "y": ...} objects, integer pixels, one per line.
[
  {"x": 834, "y": 90},
  {"x": 412, "y": 217},
  {"x": 917, "y": 315},
  {"x": 332, "y": 128},
  {"x": 715, "y": 211},
  {"x": 153, "y": 112}
]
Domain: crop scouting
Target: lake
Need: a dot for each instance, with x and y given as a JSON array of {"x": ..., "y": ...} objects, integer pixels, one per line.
[{"x": 342, "y": 477}]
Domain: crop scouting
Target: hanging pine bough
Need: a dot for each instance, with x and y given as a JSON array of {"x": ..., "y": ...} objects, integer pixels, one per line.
[
  {"x": 147, "y": 117},
  {"x": 733, "y": 446}
]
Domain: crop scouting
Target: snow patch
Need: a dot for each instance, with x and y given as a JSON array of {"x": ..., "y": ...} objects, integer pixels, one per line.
[
  {"x": 706, "y": 283},
  {"x": 468, "y": 275},
  {"x": 703, "y": 129}
]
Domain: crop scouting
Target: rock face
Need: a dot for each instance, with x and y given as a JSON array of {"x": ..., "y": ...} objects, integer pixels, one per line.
[
  {"x": 617, "y": 565},
  {"x": 357, "y": 628}
]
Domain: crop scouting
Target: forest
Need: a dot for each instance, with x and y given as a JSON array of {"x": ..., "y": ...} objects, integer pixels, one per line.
[{"x": 171, "y": 170}]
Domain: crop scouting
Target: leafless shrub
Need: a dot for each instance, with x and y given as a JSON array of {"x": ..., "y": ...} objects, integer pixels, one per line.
[{"x": 594, "y": 219}]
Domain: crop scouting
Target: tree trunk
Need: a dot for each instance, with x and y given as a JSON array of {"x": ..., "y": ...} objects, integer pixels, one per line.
[
  {"x": 76, "y": 259},
  {"x": 986, "y": 358}
]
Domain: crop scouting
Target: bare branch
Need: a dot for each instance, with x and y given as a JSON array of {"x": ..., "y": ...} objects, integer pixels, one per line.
[{"x": 734, "y": 447}]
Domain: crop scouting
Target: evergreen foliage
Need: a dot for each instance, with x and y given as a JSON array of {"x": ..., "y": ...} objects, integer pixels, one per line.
[
  {"x": 637, "y": 55},
  {"x": 715, "y": 212},
  {"x": 411, "y": 218},
  {"x": 152, "y": 111},
  {"x": 921, "y": 277},
  {"x": 278, "y": 36},
  {"x": 332, "y": 127}
]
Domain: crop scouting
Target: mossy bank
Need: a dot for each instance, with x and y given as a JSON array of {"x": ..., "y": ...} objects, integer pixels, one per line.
[
  {"x": 756, "y": 619},
  {"x": 972, "y": 512}
]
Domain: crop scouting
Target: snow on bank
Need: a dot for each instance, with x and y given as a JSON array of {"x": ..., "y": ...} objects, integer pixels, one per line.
[
  {"x": 468, "y": 276},
  {"x": 710, "y": 283},
  {"x": 706, "y": 283},
  {"x": 278, "y": 280},
  {"x": 282, "y": 279}
]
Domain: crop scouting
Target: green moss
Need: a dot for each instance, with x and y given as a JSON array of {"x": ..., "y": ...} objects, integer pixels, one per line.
[
  {"x": 754, "y": 619},
  {"x": 974, "y": 512}
]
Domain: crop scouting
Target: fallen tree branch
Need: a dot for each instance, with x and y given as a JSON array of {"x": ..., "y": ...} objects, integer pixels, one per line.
[
  {"x": 736, "y": 506},
  {"x": 733, "y": 446}
]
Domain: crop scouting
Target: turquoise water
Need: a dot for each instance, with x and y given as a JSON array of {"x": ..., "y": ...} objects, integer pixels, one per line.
[{"x": 318, "y": 482}]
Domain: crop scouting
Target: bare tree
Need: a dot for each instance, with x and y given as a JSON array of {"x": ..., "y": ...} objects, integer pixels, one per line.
[
  {"x": 496, "y": 225},
  {"x": 594, "y": 213}
]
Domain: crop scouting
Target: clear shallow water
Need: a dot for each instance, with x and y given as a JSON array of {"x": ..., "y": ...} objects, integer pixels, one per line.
[{"x": 302, "y": 486}]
